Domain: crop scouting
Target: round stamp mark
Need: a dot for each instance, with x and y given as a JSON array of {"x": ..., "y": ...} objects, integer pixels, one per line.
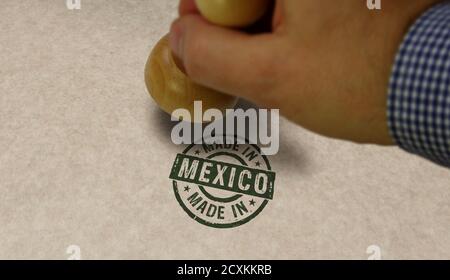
[{"x": 222, "y": 185}]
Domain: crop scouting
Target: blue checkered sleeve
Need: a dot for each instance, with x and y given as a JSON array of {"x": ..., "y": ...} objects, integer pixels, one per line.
[{"x": 419, "y": 90}]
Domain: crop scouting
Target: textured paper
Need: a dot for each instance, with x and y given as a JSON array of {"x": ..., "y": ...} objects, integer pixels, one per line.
[{"x": 85, "y": 157}]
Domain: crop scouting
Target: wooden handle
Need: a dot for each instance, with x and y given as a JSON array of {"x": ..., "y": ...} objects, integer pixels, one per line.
[
  {"x": 233, "y": 13},
  {"x": 172, "y": 89}
]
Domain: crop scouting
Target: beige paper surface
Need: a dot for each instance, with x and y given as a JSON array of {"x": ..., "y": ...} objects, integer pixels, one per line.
[{"x": 85, "y": 157}]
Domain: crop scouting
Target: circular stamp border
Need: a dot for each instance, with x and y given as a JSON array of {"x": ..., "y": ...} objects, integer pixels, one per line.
[{"x": 221, "y": 226}]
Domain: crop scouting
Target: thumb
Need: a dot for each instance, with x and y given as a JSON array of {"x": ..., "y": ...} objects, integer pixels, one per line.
[{"x": 223, "y": 59}]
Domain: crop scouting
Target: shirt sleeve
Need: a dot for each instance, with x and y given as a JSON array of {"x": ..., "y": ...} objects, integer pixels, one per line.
[{"x": 419, "y": 89}]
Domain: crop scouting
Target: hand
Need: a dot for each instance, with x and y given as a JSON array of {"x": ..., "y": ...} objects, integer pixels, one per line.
[{"x": 326, "y": 65}]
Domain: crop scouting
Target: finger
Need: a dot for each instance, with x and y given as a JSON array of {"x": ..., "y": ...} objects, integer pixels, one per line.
[
  {"x": 187, "y": 7},
  {"x": 224, "y": 59}
]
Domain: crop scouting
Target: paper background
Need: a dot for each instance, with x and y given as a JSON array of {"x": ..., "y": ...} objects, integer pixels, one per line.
[{"x": 85, "y": 157}]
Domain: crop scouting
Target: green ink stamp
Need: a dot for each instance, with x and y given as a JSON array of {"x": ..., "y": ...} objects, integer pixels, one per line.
[{"x": 222, "y": 185}]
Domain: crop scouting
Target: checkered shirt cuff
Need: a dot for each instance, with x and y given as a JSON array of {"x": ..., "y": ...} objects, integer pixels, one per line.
[{"x": 419, "y": 90}]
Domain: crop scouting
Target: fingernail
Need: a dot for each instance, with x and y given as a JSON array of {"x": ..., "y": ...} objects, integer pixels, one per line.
[{"x": 176, "y": 40}]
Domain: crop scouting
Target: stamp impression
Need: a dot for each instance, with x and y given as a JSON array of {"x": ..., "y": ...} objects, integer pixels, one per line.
[{"x": 222, "y": 185}]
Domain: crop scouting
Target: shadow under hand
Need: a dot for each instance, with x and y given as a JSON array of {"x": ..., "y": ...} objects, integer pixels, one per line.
[{"x": 291, "y": 155}]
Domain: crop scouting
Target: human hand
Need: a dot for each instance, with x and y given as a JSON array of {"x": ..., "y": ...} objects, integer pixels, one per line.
[{"x": 325, "y": 65}]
